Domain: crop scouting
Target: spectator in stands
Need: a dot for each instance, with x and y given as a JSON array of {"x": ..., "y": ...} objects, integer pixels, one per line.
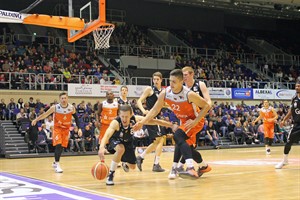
[
  {"x": 253, "y": 131},
  {"x": 102, "y": 81},
  {"x": 47, "y": 134},
  {"x": 232, "y": 106},
  {"x": 6, "y": 66},
  {"x": 20, "y": 103},
  {"x": 77, "y": 140},
  {"x": 39, "y": 104},
  {"x": 260, "y": 132},
  {"x": 47, "y": 68},
  {"x": 239, "y": 133},
  {"x": 220, "y": 112},
  {"x": 21, "y": 115},
  {"x": 81, "y": 109},
  {"x": 212, "y": 135},
  {"x": 249, "y": 133},
  {"x": 26, "y": 108},
  {"x": 31, "y": 103},
  {"x": 230, "y": 130},
  {"x": 89, "y": 138},
  {"x": 221, "y": 127},
  {"x": 116, "y": 81},
  {"x": 49, "y": 122},
  {"x": 3, "y": 84},
  {"x": 11, "y": 115},
  {"x": 2, "y": 110},
  {"x": 32, "y": 113},
  {"x": 95, "y": 107}
]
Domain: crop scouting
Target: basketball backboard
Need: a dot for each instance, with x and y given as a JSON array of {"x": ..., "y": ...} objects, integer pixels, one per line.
[{"x": 94, "y": 14}]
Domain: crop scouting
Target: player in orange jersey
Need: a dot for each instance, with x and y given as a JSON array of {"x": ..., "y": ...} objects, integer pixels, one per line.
[
  {"x": 63, "y": 113},
  {"x": 199, "y": 88},
  {"x": 185, "y": 104},
  {"x": 269, "y": 116},
  {"x": 107, "y": 111}
]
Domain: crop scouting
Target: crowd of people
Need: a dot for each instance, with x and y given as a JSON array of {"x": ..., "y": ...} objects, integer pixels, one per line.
[
  {"x": 225, "y": 119},
  {"x": 49, "y": 68}
]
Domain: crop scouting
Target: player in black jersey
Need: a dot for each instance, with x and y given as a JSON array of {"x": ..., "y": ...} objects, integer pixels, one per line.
[
  {"x": 120, "y": 140},
  {"x": 294, "y": 134},
  {"x": 123, "y": 95},
  {"x": 199, "y": 88},
  {"x": 149, "y": 96}
]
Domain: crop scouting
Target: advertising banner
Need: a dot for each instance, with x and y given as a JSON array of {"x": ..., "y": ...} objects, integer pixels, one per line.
[
  {"x": 242, "y": 93},
  {"x": 220, "y": 93},
  {"x": 263, "y": 94},
  {"x": 95, "y": 90},
  {"x": 284, "y": 94},
  {"x": 83, "y": 90}
]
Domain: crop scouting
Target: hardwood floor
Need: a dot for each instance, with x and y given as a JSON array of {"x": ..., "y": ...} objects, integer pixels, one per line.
[{"x": 244, "y": 173}]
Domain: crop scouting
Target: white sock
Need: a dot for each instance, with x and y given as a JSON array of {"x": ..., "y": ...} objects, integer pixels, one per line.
[
  {"x": 113, "y": 166},
  {"x": 174, "y": 165},
  {"x": 180, "y": 164},
  {"x": 143, "y": 154},
  {"x": 189, "y": 163},
  {"x": 156, "y": 160},
  {"x": 285, "y": 157},
  {"x": 202, "y": 164}
]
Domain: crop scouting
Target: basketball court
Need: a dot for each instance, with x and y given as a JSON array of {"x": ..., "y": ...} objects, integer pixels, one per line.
[{"x": 241, "y": 173}]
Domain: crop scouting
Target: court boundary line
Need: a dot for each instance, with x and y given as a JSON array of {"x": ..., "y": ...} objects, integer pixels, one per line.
[{"x": 70, "y": 186}]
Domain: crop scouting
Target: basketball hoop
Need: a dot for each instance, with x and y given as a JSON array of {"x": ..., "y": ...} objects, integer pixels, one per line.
[{"x": 102, "y": 35}]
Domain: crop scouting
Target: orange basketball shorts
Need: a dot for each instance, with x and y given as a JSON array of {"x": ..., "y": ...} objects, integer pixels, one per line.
[
  {"x": 193, "y": 132},
  {"x": 269, "y": 130},
  {"x": 60, "y": 136}
]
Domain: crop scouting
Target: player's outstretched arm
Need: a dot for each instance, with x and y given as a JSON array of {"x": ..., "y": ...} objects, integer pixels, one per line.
[
  {"x": 113, "y": 126},
  {"x": 155, "y": 121},
  {"x": 44, "y": 115},
  {"x": 153, "y": 112}
]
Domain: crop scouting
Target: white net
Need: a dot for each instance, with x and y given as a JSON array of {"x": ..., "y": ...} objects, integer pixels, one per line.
[{"x": 102, "y": 35}]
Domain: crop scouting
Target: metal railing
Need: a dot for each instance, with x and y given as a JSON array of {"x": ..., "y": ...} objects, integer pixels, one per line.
[
  {"x": 32, "y": 81},
  {"x": 224, "y": 83}
]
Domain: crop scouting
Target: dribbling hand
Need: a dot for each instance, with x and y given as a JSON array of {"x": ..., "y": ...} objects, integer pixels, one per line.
[{"x": 101, "y": 153}]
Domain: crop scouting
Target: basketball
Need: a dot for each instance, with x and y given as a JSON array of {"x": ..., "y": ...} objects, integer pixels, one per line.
[{"x": 99, "y": 170}]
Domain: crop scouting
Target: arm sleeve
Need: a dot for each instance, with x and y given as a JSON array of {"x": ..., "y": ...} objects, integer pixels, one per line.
[{"x": 76, "y": 120}]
